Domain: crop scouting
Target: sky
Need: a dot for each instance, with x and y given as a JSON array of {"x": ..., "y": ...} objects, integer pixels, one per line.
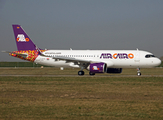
[{"x": 84, "y": 24}]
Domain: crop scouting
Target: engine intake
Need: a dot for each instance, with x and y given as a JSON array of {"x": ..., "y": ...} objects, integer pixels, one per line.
[{"x": 97, "y": 67}]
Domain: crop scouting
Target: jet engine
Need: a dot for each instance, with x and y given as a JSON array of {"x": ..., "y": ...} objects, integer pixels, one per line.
[
  {"x": 114, "y": 70},
  {"x": 97, "y": 67}
]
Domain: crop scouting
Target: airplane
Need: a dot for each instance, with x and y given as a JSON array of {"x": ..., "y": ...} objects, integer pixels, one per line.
[{"x": 95, "y": 61}]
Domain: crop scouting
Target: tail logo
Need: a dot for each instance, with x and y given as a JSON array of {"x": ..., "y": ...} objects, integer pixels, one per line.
[{"x": 21, "y": 38}]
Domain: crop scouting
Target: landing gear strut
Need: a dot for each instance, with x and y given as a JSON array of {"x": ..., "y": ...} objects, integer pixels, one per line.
[
  {"x": 138, "y": 72},
  {"x": 81, "y": 72}
]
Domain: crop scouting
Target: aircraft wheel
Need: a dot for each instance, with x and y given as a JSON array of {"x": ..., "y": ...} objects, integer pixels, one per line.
[
  {"x": 91, "y": 73},
  {"x": 81, "y": 73},
  {"x": 139, "y": 73}
]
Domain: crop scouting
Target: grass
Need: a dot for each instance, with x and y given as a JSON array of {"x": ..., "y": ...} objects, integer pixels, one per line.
[
  {"x": 81, "y": 98},
  {"x": 71, "y": 71},
  {"x": 124, "y": 98}
]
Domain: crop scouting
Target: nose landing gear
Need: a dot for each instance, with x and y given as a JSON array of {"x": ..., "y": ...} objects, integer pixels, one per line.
[{"x": 138, "y": 72}]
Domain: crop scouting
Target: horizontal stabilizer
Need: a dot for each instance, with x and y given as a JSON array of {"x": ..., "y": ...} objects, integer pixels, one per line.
[
  {"x": 6, "y": 51},
  {"x": 24, "y": 55}
]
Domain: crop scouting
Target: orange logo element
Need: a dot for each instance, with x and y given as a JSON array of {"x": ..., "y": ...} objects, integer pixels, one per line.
[
  {"x": 27, "y": 39},
  {"x": 115, "y": 56},
  {"x": 17, "y": 39},
  {"x": 131, "y": 56},
  {"x": 18, "y": 27}
]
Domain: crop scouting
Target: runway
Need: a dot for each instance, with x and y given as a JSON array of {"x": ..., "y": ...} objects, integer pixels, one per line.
[{"x": 80, "y": 76}]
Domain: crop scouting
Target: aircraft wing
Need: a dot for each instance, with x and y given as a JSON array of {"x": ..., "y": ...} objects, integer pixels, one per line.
[
  {"x": 67, "y": 59},
  {"x": 81, "y": 62},
  {"x": 70, "y": 59}
]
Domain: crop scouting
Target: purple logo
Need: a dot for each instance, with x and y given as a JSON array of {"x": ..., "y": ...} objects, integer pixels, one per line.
[
  {"x": 106, "y": 56},
  {"x": 117, "y": 55}
]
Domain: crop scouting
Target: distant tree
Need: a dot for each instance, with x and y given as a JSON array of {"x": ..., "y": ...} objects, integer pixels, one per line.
[{"x": 161, "y": 58}]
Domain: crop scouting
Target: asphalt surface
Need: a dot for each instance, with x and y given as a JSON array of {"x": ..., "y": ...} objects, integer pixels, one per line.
[{"x": 82, "y": 76}]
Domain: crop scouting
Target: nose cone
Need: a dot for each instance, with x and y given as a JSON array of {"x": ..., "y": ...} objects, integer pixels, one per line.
[{"x": 157, "y": 62}]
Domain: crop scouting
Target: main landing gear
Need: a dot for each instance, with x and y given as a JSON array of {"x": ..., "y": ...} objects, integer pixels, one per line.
[
  {"x": 81, "y": 73},
  {"x": 138, "y": 72},
  {"x": 91, "y": 73}
]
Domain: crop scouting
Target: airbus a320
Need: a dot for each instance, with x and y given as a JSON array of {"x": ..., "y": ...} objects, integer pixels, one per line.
[{"x": 95, "y": 61}]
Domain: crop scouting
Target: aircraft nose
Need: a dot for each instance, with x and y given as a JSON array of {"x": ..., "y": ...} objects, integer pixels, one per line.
[{"x": 158, "y": 62}]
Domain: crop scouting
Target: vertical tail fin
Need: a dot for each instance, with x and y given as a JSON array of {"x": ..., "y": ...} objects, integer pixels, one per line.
[{"x": 22, "y": 40}]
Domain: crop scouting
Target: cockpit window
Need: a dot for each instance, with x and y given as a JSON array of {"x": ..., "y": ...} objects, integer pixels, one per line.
[{"x": 149, "y": 56}]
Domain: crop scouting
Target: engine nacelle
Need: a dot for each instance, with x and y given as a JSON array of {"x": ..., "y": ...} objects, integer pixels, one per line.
[
  {"x": 97, "y": 67},
  {"x": 114, "y": 70}
]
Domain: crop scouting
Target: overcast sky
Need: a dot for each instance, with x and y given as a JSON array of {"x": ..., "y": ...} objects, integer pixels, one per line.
[{"x": 84, "y": 24}]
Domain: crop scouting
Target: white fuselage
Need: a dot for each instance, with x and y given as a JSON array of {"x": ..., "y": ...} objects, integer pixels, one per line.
[{"x": 113, "y": 58}]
